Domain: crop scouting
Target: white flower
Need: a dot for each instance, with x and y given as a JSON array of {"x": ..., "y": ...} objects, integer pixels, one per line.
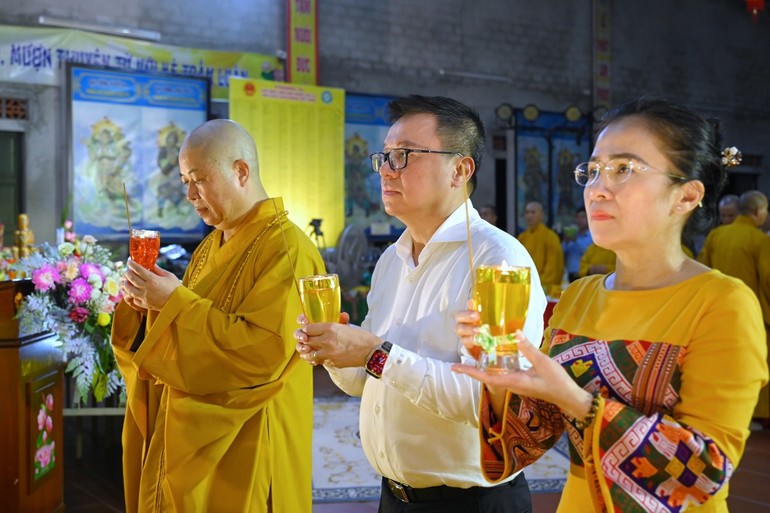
[
  {"x": 66, "y": 249},
  {"x": 111, "y": 286},
  {"x": 89, "y": 239},
  {"x": 95, "y": 281}
]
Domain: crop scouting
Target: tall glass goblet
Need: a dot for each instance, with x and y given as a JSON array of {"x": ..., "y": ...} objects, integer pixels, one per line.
[
  {"x": 501, "y": 295},
  {"x": 144, "y": 246},
  {"x": 321, "y": 297}
]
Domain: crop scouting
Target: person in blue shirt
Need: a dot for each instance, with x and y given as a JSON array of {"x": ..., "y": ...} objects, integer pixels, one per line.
[{"x": 575, "y": 244}]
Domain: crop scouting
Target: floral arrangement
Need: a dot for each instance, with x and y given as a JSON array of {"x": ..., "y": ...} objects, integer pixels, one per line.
[{"x": 76, "y": 292}]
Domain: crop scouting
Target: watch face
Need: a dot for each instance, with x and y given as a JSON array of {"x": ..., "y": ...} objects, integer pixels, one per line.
[{"x": 531, "y": 112}]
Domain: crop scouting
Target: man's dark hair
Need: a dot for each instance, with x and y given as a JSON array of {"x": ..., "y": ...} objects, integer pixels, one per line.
[{"x": 459, "y": 127}]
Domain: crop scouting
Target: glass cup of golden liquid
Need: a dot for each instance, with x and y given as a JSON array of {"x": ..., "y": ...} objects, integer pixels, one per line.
[
  {"x": 321, "y": 297},
  {"x": 144, "y": 246},
  {"x": 501, "y": 296}
]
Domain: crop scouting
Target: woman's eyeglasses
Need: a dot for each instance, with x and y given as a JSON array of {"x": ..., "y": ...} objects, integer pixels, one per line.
[{"x": 616, "y": 171}]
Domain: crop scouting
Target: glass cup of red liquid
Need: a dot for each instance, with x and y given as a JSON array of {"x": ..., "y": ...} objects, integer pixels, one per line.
[{"x": 144, "y": 246}]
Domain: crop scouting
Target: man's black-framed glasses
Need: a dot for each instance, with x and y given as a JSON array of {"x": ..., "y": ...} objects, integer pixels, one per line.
[{"x": 397, "y": 158}]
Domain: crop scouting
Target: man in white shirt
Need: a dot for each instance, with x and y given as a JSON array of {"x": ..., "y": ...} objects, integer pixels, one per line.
[{"x": 418, "y": 419}]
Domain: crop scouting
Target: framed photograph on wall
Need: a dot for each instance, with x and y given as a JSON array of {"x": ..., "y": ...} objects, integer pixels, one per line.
[
  {"x": 366, "y": 127},
  {"x": 548, "y": 147},
  {"x": 126, "y": 128}
]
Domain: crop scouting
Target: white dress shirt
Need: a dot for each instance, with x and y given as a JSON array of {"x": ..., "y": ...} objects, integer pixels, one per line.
[{"x": 419, "y": 423}]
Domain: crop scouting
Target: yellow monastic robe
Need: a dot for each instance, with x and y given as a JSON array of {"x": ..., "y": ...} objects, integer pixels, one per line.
[
  {"x": 544, "y": 247},
  {"x": 734, "y": 249},
  {"x": 220, "y": 407},
  {"x": 596, "y": 255},
  {"x": 740, "y": 249}
]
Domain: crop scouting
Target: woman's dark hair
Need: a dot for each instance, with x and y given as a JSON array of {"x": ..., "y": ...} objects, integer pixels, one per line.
[{"x": 691, "y": 144}]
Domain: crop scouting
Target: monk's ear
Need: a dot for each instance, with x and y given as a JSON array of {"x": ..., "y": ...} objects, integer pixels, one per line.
[{"x": 242, "y": 170}]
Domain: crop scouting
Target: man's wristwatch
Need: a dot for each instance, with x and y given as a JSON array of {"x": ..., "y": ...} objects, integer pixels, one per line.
[{"x": 375, "y": 362}]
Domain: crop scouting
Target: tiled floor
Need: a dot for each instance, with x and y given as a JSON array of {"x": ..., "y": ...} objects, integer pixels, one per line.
[{"x": 93, "y": 483}]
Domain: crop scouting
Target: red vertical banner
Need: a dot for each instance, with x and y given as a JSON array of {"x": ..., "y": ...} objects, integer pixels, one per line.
[
  {"x": 602, "y": 54},
  {"x": 302, "y": 35}
]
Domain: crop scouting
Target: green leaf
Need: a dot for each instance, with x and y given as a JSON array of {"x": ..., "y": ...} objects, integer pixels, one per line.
[
  {"x": 99, "y": 385},
  {"x": 489, "y": 342},
  {"x": 73, "y": 365}
]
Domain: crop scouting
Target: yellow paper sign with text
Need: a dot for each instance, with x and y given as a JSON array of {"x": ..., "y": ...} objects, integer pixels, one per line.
[{"x": 299, "y": 131}]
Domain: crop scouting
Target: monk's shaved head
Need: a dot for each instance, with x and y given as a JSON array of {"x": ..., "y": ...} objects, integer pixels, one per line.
[
  {"x": 219, "y": 168},
  {"x": 224, "y": 141}
]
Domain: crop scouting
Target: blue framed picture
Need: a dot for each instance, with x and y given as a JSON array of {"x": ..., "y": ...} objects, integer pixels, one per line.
[{"x": 126, "y": 130}]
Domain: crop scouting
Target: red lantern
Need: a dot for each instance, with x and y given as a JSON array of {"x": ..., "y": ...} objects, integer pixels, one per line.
[{"x": 755, "y": 7}]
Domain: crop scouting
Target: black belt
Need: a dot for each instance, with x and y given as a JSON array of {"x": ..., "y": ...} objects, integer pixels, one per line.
[{"x": 406, "y": 493}]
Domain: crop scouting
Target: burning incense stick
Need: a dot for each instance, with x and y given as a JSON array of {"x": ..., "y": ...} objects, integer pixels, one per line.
[
  {"x": 288, "y": 255},
  {"x": 128, "y": 215},
  {"x": 468, "y": 229}
]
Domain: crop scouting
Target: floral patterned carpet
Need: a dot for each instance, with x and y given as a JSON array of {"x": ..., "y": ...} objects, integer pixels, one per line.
[{"x": 341, "y": 472}]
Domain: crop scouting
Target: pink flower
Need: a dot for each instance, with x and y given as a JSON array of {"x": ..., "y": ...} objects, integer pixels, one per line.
[
  {"x": 41, "y": 416},
  {"x": 67, "y": 224},
  {"x": 80, "y": 291},
  {"x": 61, "y": 266},
  {"x": 49, "y": 424},
  {"x": 88, "y": 269},
  {"x": 43, "y": 455},
  {"x": 49, "y": 402},
  {"x": 45, "y": 278},
  {"x": 69, "y": 236},
  {"x": 79, "y": 314}
]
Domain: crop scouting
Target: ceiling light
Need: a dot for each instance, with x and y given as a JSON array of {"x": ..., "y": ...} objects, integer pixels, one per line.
[
  {"x": 473, "y": 75},
  {"x": 113, "y": 30}
]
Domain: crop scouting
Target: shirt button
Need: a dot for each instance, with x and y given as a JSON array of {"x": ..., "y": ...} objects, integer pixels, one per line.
[
  {"x": 398, "y": 322},
  {"x": 376, "y": 409}
]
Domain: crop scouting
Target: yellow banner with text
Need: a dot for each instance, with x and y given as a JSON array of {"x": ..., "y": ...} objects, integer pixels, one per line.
[
  {"x": 299, "y": 131},
  {"x": 303, "y": 41},
  {"x": 36, "y": 55}
]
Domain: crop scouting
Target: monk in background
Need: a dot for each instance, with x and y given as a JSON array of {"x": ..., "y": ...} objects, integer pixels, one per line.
[
  {"x": 740, "y": 249},
  {"x": 219, "y": 415},
  {"x": 544, "y": 246}
]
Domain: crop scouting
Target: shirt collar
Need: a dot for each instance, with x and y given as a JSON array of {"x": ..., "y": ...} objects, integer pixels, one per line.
[{"x": 453, "y": 229}]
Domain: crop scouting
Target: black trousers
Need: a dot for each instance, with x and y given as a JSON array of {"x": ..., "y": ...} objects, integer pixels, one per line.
[{"x": 511, "y": 497}]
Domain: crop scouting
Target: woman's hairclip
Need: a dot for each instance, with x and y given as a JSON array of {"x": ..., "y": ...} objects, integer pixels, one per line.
[{"x": 731, "y": 156}]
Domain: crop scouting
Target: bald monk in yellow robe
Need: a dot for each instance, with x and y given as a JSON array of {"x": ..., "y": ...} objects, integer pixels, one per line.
[
  {"x": 739, "y": 249},
  {"x": 596, "y": 260},
  {"x": 219, "y": 413},
  {"x": 544, "y": 247}
]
